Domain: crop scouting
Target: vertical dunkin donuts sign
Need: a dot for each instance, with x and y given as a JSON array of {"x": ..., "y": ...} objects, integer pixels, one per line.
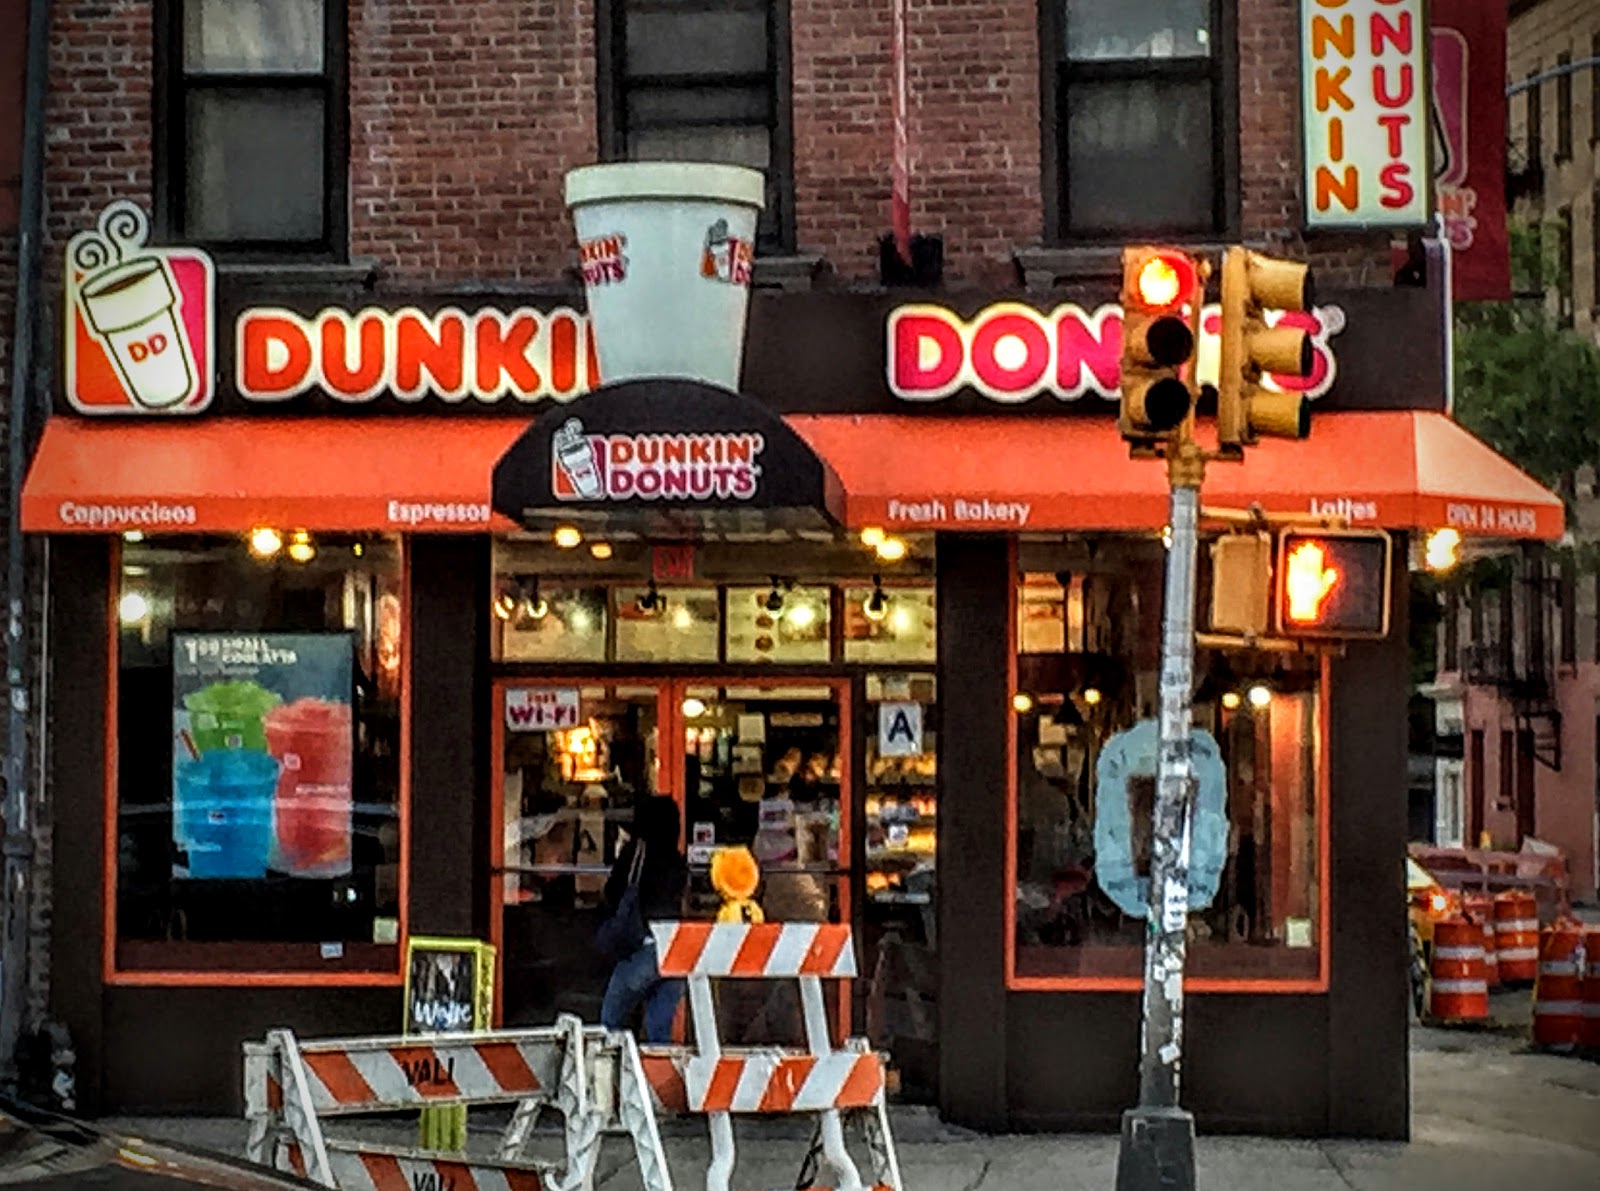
[{"x": 139, "y": 333}]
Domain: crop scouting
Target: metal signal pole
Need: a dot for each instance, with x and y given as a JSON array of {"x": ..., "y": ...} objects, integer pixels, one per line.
[{"x": 1157, "y": 1152}]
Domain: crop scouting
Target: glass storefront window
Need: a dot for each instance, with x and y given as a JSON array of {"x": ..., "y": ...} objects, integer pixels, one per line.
[
  {"x": 550, "y": 622},
  {"x": 667, "y": 624},
  {"x": 258, "y": 755},
  {"x": 779, "y": 623},
  {"x": 1085, "y": 788},
  {"x": 890, "y": 625}
]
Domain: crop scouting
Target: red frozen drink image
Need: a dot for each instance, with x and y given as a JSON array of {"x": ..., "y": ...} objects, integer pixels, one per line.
[{"x": 311, "y": 738}]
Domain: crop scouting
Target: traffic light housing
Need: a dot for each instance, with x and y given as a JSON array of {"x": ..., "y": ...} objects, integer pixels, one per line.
[
  {"x": 1163, "y": 290},
  {"x": 1251, "y": 285},
  {"x": 1332, "y": 584},
  {"x": 1241, "y": 584}
]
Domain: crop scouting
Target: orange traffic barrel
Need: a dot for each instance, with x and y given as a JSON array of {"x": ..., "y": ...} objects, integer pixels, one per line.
[
  {"x": 1589, "y": 1034},
  {"x": 1457, "y": 990},
  {"x": 1558, "y": 996},
  {"x": 1516, "y": 934}
]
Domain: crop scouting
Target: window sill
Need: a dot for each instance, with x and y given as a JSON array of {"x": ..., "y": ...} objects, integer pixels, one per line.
[
  {"x": 172, "y": 963},
  {"x": 362, "y": 271},
  {"x": 798, "y": 273}
]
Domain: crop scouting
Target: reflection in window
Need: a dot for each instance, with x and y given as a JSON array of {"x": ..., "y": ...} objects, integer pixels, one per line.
[
  {"x": 890, "y": 625},
  {"x": 540, "y": 621},
  {"x": 779, "y": 623},
  {"x": 258, "y": 752},
  {"x": 667, "y": 624}
]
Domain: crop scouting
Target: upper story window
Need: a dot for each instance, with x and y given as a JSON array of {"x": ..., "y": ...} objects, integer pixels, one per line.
[
  {"x": 1139, "y": 109},
  {"x": 253, "y": 119},
  {"x": 702, "y": 80}
]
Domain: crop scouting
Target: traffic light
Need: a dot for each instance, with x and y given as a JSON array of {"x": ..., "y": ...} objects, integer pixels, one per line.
[
  {"x": 1332, "y": 583},
  {"x": 1251, "y": 285},
  {"x": 1163, "y": 290}
]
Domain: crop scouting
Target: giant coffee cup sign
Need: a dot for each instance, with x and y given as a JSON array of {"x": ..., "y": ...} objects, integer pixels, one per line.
[{"x": 667, "y": 252}]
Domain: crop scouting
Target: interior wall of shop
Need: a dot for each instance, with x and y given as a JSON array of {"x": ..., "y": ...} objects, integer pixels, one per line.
[
  {"x": 143, "y": 1049},
  {"x": 1333, "y": 1065}
]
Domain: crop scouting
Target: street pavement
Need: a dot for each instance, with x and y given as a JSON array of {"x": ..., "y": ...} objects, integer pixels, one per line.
[{"x": 1488, "y": 1114}]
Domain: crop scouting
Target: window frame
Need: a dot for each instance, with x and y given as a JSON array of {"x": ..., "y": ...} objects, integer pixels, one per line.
[
  {"x": 1249, "y": 985},
  {"x": 233, "y": 969},
  {"x": 611, "y": 90},
  {"x": 171, "y": 87},
  {"x": 1222, "y": 68},
  {"x": 1563, "y": 107},
  {"x": 1594, "y": 97},
  {"x": 1534, "y": 128}
]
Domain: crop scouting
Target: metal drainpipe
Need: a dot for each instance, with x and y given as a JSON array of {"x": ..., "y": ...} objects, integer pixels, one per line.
[{"x": 18, "y": 843}]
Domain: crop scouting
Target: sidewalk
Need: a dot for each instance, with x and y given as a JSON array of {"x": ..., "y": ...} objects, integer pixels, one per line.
[{"x": 1487, "y": 1116}]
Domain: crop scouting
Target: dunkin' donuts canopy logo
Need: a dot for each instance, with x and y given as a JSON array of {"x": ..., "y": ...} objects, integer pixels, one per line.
[
  {"x": 139, "y": 320},
  {"x": 599, "y": 467}
]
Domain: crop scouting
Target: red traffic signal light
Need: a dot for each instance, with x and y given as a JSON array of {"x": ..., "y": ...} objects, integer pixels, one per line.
[
  {"x": 1332, "y": 583},
  {"x": 1162, "y": 292}
]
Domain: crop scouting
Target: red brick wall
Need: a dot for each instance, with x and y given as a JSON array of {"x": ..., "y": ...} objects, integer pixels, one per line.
[{"x": 465, "y": 116}]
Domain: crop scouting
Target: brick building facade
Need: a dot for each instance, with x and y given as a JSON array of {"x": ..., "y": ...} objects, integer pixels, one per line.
[{"x": 382, "y": 150}]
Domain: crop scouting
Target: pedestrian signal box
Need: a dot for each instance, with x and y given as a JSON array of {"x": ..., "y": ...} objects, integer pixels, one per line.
[{"x": 1331, "y": 584}]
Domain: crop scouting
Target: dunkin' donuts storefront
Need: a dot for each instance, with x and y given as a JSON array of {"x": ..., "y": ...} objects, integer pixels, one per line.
[{"x": 371, "y": 615}]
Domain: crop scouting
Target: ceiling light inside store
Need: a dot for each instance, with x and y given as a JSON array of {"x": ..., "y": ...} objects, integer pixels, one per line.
[
  {"x": 600, "y": 550},
  {"x": 876, "y": 606},
  {"x": 301, "y": 548},
  {"x": 682, "y": 618},
  {"x": 1443, "y": 549},
  {"x": 1021, "y": 703},
  {"x": 900, "y": 620},
  {"x": 264, "y": 543},
  {"x": 133, "y": 607},
  {"x": 1092, "y": 696},
  {"x": 580, "y": 620},
  {"x": 505, "y": 604},
  {"x": 133, "y": 535},
  {"x": 1231, "y": 700},
  {"x": 871, "y": 536},
  {"x": 803, "y": 616},
  {"x": 891, "y": 549},
  {"x": 568, "y": 537},
  {"x": 694, "y": 708},
  {"x": 1260, "y": 696}
]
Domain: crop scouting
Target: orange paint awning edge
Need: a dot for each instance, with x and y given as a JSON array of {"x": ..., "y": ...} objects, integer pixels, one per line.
[{"x": 1400, "y": 469}]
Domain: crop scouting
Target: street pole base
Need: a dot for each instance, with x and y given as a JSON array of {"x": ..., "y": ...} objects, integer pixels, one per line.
[{"x": 1157, "y": 1152}]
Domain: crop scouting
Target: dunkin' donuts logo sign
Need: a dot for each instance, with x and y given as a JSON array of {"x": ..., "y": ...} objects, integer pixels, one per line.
[
  {"x": 139, "y": 320},
  {"x": 600, "y": 467}
]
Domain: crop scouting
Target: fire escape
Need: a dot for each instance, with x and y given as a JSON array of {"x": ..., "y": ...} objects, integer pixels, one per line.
[{"x": 1520, "y": 665}]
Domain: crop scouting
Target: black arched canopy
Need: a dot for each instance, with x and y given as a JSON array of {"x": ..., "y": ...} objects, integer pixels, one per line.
[{"x": 666, "y": 457}]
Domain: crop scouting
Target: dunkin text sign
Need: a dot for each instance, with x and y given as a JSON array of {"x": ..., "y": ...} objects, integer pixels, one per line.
[
  {"x": 1011, "y": 353},
  {"x": 618, "y": 467}
]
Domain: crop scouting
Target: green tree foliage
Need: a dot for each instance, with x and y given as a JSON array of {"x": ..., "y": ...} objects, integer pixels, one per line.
[{"x": 1525, "y": 384}]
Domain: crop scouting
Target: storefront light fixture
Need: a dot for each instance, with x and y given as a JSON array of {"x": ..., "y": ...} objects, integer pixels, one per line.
[
  {"x": 876, "y": 606},
  {"x": 1166, "y": 536},
  {"x": 774, "y": 600},
  {"x": 264, "y": 542},
  {"x": 600, "y": 550},
  {"x": 694, "y": 708},
  {"x": 133, "y": 607},
  {"x": 871, "y": 536},
  {"x": 505, "y": 604},
  {"x": 1260, "y": 695},
  {"x": 133, "y": 535},
  {"x": 802, "y": 615},
  {"x": 891, "y": 549},
  {"x": 1231, "y": 700},
  {"x": 1442, "y": 549},
  {"x": 301, "y": 547},
  {"x": 651, "y": 601},
  {"x": 568, "y": 537},
  {"x": 1022, "y": 703},
  {"x": 533, "y": 605},
  {"x": 1092, "y": 696}
]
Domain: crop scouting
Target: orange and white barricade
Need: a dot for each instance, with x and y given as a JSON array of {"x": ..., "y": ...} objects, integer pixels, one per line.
[
  {"x": 1558, "y": 996},
  {"x": 1457, "y": 990},
  {"x": 1589, "y": 1034},
  {"x": 819, "y": 1081},
  {"x": 590, "y": 1076},
  {"x": 1516, "y": 933}
]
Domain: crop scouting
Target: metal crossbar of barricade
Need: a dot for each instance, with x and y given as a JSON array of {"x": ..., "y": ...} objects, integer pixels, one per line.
[
  {"x": 820, "y": 1080},
  {"x": 592, "y": 1077}
]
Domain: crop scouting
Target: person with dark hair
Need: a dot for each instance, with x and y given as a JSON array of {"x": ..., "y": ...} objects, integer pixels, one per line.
[{"x": 651, "y": 857}]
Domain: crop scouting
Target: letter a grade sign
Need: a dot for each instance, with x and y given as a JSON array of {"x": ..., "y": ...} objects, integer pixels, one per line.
[{"x": 899, "y": 729}]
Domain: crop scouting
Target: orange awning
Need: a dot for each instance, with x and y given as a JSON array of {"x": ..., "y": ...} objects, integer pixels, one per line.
[
  {"x": 1396, "y": 469},
  {"x": 423, "y": 475}
]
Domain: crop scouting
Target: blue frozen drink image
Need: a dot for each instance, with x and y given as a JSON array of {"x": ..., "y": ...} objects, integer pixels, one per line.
[{"x": 225, "y": 812}]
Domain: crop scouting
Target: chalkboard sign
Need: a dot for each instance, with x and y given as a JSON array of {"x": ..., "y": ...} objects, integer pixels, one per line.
[{"x": 449, "y": 986}]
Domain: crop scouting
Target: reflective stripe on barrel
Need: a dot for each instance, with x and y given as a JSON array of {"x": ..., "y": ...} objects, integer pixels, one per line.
[{"x": 1558, "y": 996}]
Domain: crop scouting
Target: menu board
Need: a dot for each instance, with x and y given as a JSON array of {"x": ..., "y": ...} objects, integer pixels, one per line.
[
  {"x": 795, "y": 631},
  {"x": 263, "y": 754},
  {"x": 904, "y": 633},
  {"x": 571, "y": 629},
  {"x": 683, "y": 626}
]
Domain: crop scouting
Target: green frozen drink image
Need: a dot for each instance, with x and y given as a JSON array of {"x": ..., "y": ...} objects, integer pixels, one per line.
[{"x": 229, "y": 715}]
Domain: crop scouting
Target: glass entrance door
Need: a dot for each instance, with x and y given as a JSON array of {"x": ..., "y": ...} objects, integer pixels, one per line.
[{"x": 762, "y": 763}]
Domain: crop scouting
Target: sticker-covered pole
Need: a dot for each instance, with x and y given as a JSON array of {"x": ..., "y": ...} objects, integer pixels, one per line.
[{"x": 1157, "y": 1151}]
